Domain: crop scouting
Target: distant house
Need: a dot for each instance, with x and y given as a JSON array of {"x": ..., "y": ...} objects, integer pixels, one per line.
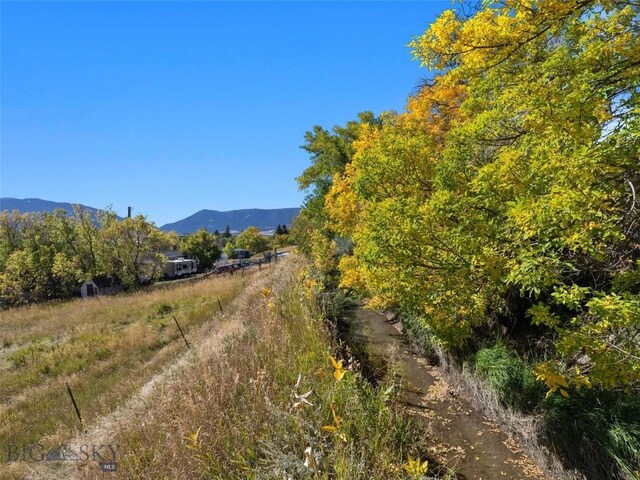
[
  {"x": 99, "y": 286},
  {"x": 178, "y": 266}
]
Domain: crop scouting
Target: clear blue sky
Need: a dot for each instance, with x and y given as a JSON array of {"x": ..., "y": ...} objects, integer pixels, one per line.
[{"x": 174, "y": 107}]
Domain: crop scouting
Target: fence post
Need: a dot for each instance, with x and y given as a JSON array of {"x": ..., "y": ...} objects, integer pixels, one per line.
[
  {"x": 75, "y": 405},
  {"x": 182, "y": 333}
]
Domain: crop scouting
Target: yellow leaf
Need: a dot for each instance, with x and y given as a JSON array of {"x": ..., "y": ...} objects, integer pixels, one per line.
[
  {"x": 335, "y": 363},
  {"x": 339, "y": 369}
]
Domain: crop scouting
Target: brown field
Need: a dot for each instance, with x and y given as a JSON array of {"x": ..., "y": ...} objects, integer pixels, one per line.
[
  {"x": 226, "y": 409},
  {"x": 105, "y": 347}
]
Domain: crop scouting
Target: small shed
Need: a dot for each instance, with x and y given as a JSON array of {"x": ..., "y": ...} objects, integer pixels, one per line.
[{"x": 98, "y": 286}]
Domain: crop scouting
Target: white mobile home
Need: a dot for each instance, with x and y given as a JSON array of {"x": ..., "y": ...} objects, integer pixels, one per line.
[{"x": 180, "y": 267}]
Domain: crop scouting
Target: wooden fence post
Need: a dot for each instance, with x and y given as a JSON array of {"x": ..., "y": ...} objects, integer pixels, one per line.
[
  {"x": 182, "y": 333},
  {"x": 75, "y": 405}
]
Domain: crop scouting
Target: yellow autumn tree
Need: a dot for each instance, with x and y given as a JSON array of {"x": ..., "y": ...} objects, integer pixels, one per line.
[{"x": 509, "y": 183}]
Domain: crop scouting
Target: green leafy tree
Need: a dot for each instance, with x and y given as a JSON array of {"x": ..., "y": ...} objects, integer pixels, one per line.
[
  {"x": 302, "y": 228},
  {"x": 251, "y": 239},
  {"x": 203, "y": 246},
  {"x": 281, "y": 237},
  {"x": 12, "y": 227},
  {"x": 48, "y": 255},
  {"x": 87, "y": 227},
  {"x": 130, "y": 250},
  {"x": 330, "y": 152},
  {"x": 229, "y": 247},
  {"x": 507, "y": 190},
  {"x": 42, "y": 263}
]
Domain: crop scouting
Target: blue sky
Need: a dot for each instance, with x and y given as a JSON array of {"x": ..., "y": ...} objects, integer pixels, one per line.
[{"x": 173, "y": 107}]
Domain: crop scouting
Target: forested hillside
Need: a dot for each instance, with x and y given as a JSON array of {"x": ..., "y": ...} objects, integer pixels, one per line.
[{"x": 499, "y": 213}]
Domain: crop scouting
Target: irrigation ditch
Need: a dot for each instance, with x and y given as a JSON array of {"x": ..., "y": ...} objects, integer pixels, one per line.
[{"x": 462, "y": 441}]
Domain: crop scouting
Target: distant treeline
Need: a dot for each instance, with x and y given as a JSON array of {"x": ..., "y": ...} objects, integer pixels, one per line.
[{"x": 48, "y": 255}]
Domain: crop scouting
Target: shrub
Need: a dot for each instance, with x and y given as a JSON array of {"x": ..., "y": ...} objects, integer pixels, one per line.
[
  {"x": 30, "y": 352},
  {"x": 597, "y": 432},
  {"x": 509, "y": 377},
  {"x": 334, "y": 303},
  {"x": 162, "y": 308}
]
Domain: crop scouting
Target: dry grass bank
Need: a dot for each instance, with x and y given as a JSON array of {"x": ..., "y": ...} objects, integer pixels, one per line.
[{"x": 240, "y": 411}]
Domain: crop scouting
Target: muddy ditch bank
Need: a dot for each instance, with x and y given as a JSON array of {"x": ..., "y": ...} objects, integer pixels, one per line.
[{"x": 459, "y": 436}]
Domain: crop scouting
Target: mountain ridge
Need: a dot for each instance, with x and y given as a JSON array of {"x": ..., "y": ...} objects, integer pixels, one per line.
[
  {"x": 237, "y": 220},
  {"x": 263, "y": 218},
  {"x": 35, "y": 205}
]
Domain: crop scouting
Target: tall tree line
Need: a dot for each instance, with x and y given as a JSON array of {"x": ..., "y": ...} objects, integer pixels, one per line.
[{"x": 506, "y": 194}]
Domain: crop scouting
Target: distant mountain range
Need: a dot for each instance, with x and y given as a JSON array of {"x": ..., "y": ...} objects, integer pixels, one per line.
[
  {"x": 28, "y": 205},
  {"x": 237, "y": 220}
]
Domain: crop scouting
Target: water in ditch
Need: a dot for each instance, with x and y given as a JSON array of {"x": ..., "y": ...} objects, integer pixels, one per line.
[{"x": 460, "y": 437}]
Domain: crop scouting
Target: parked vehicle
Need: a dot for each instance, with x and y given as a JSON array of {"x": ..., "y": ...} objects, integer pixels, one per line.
[
  {"x": 224, "y": 269},
  {"x": 180, "y": 267}
]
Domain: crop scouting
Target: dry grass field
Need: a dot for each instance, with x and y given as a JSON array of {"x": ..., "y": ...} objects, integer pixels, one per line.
[
  {"x": 255, "y": 397},
  {"x": 269, "y": 405},
  {"x": 105, "y": 347}
]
